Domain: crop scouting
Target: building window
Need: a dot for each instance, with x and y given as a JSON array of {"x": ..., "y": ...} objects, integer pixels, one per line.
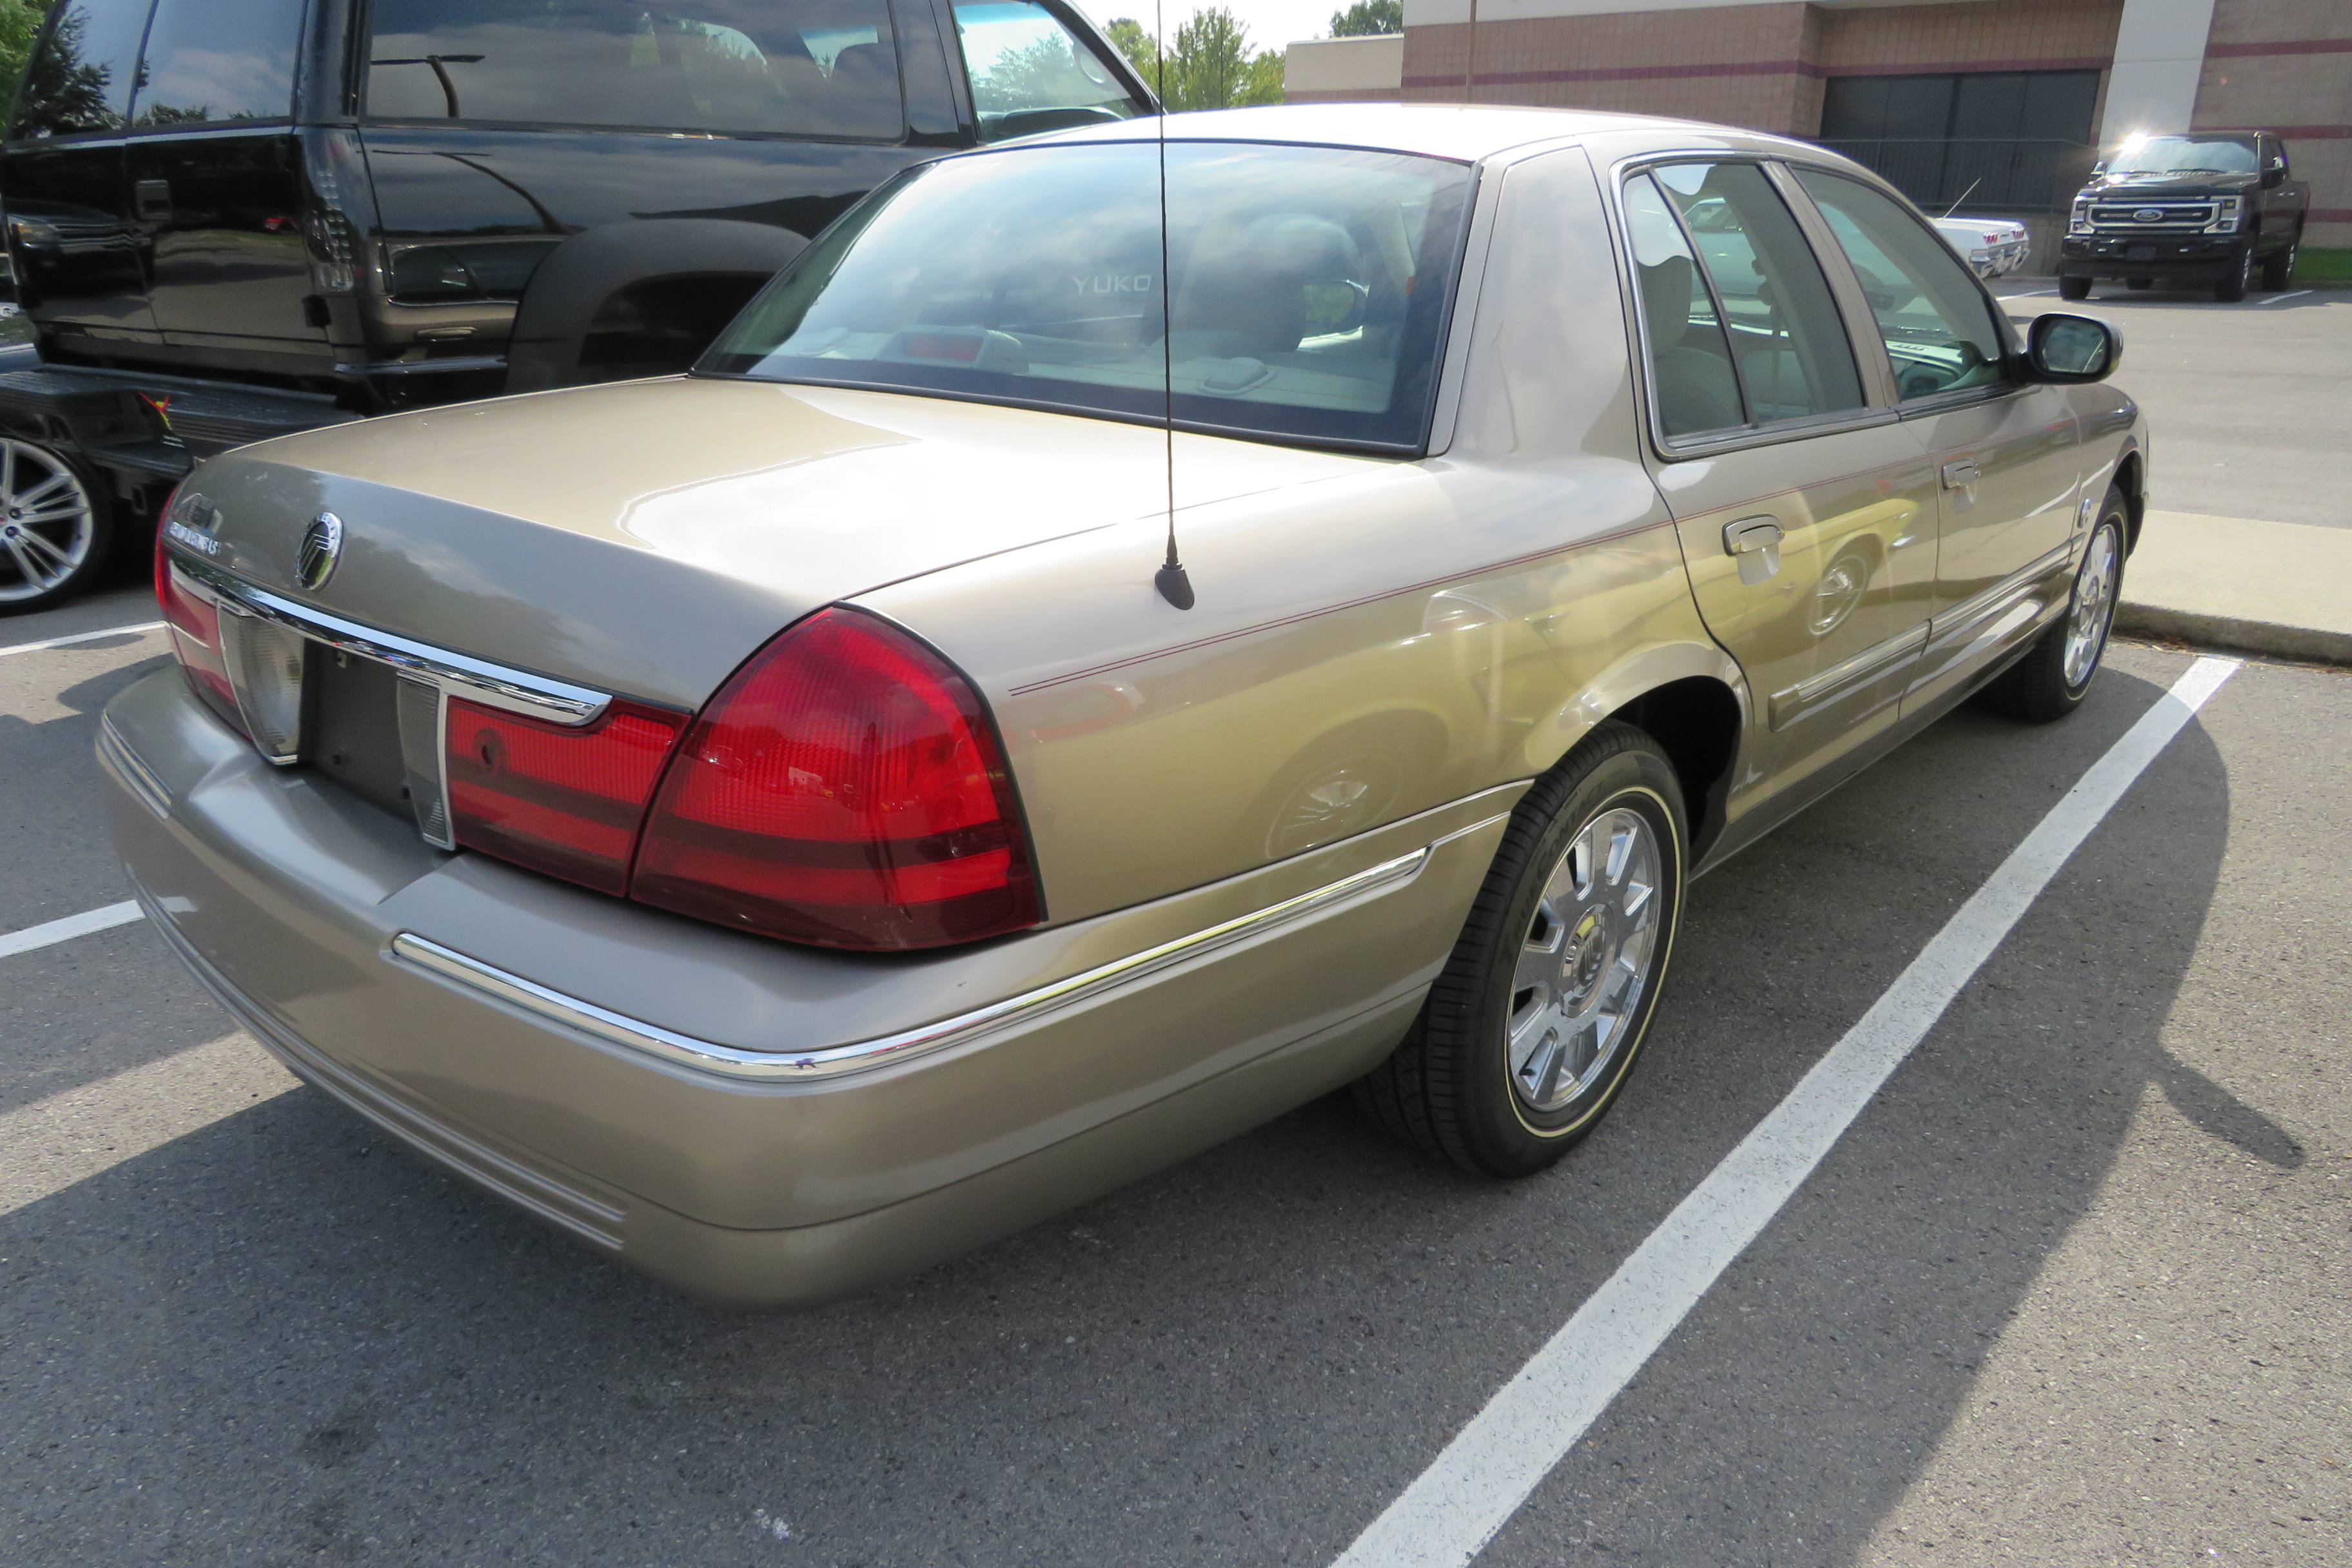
[{"x": 2007, "y": 140}]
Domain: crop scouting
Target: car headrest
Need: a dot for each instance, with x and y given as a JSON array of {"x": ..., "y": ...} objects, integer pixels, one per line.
[{"x": 1666, "y": 301}]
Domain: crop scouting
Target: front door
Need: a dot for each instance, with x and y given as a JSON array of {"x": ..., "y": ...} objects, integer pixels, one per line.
[
  {"x": 81, "y": 259},
  {"x": 2007, "y": 455},
  {"x": 1806, "y": 513},
  {"x": 217, "y": 183}
]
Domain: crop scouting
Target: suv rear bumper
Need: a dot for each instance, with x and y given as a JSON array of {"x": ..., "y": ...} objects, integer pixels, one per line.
[
  {"x": 149, "y": 425},
  {"x": 288, "y": 898}
]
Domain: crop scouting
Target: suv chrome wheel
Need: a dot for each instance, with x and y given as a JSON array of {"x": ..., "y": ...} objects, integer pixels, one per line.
[
  {"x": 1585, "y": 961},
  {"x": 48, "y": 523}
]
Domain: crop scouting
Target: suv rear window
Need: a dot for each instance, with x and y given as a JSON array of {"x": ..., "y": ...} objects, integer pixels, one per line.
[
  {"x": 807, "y": 67},
  {"x": 80, "y": 79},
  {"x": 1307, "y": 289}
]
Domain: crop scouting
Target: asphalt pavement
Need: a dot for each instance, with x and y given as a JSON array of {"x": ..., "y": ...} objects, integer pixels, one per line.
[{"x": 2072, "y": 1288}]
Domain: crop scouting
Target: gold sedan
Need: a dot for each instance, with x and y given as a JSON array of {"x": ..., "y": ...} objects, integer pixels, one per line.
[{"x": 1121, "y": 638}]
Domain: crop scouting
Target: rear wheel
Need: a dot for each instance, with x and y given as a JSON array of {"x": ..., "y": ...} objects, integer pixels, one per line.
[
  {"x": 2232, "y": 287},
  {"x": 2278, "y": 268},
  {"x": 54, "y": 528},
  {"x": 2052, "y": 681},
  {"x": 2074, "y": 288},
  {"x": 1532, "y": 1028},
  {"x": 2139, "y": 282}
]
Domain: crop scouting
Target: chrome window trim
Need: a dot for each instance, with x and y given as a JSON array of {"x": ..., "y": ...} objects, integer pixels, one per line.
[
  {"x": 554, "y": 1006},
  {"x": 475, "y": 679}
]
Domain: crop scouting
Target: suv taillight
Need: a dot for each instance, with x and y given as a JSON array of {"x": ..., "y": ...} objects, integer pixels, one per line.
[
  {"x": 843, "y": 788},
  {"x": 564, "y": 801},
  {"x": 194, "y": 623}
]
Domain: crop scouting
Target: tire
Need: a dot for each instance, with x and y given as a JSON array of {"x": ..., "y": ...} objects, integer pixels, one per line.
[
  {"x": 57, "y": 528},
  {"x": 2051, "y": 679},
  {"x": 2139, "y": 282},
  {"x": 2278, "y": 268},
  {"x": 1562, "y": 933},
  {"x": 2231, "y": 289},
  {"x": 2074, "y": 288}
]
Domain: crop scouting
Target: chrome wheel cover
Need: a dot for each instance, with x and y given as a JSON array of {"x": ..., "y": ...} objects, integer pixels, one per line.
[
  {"x": 1586, "y": 961},
  {"x": 2093, "y": 607},
  {"x": 46, "y": 524}
]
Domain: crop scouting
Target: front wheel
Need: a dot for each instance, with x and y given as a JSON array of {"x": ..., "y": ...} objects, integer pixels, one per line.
[
  {"x": 2278, "y": 268},
  {"x": 2074, "y": 288},
  {"x": 2232, "y": 287},
  {"x": 1531, "y": 1029},
  {"x": 2053, "y": 677}
]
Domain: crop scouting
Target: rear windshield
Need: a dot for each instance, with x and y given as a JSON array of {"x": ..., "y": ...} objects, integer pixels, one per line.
[
  {"x": 1305, "y": 289},
  {"x": 811, "y": 68}
]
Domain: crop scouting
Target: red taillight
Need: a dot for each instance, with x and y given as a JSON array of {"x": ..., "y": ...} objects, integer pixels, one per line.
[
  {"x": 843, "y": 788},
  {"x": 195, "y": 627},
  {"x": 565, "y": 802}
]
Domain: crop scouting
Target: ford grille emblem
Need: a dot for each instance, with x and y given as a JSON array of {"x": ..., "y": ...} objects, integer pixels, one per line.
[
  {"x": 2149, "y": 214},
  {"x": 322, "y": 546}
]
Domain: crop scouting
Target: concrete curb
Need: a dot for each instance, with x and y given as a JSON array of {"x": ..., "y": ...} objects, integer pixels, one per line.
[{"x": 2282, "y": 588}]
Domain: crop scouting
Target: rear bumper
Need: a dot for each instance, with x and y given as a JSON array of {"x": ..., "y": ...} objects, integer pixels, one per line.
[
  {"x": 736, "y": 1181},
  {"x": 158, "y": 425}
]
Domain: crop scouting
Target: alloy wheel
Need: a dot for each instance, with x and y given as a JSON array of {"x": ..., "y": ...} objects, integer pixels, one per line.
[
  {"x": 2093, "y": 607},
  {"x": 47, "y": 522},
  {"x": 1586, "y": 962}
]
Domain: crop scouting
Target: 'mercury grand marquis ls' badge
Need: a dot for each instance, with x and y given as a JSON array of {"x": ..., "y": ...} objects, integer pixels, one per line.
[{"x": 322, "y": 546}]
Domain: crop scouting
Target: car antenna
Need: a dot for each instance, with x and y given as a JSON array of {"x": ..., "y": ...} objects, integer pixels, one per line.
[
  {"x": 1175, "y": 584},
  {"x": 1964, "y": 195}
]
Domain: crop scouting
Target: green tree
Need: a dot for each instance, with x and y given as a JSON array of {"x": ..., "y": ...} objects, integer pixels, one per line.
[
  {"x": 1209, "y": 66},
  {"x": 19, "y": 22},
  {"x": 1368, "y": 18}
]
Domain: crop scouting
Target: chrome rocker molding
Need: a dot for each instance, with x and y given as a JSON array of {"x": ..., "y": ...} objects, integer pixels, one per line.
[
  {"x": 477, "y": 681},
  {"x": 729, "y": 1061}
]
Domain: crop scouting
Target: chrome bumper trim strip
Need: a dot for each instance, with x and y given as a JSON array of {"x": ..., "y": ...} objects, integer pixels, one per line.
[
  {"x": 729, "y": 1061},
  {"x": 477, "y": 681},
  {"x": 127, "y": 767}
]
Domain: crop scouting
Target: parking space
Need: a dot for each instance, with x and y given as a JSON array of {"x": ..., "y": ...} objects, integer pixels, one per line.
[{"x": 2074, "y": 1277}]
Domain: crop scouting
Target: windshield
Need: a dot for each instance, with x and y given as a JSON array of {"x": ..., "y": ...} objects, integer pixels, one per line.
[
  {"x": 1309, "y": 287},
  {"x": 2185, "y": 155}
]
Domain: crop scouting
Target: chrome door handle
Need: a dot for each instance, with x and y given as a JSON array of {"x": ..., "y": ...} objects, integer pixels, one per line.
[
  {"x": 1962, "y": 474},
  {"x": 1750, "y": 535}
]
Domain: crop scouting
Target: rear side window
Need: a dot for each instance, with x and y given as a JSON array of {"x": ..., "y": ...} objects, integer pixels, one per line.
[
  {"x": 1030, "y": 73},
  {"x": 1939, "y": 331},
  {"x": 213, "y": 60},
  {"x": 79, "y": 78},
  {"x": 803, "y": 68}
]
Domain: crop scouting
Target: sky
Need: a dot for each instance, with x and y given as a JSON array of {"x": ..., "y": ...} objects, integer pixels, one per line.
[{"x": 1271, "y": 23}]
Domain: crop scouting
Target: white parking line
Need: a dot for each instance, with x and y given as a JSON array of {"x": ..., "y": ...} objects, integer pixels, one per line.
[
  {"x": 66, "y": 930},
  {"x": 2030, "y": 294},
  {"x": 1450, "y": 1513},
  {"x": 81, "y": 637},
  {"x": 2276, "y": 298}
]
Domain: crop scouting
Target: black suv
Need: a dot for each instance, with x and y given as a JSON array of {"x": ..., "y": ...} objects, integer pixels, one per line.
[
  {"x": 230, "y": 219},
  {"x": 2214, "y": 207}
]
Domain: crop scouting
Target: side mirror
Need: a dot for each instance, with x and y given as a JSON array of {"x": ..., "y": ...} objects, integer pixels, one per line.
[
  {"x": 2098, "y": 168},
  {"x": 2273, "y": 174},
  {"x": 2067, "y": 350}
]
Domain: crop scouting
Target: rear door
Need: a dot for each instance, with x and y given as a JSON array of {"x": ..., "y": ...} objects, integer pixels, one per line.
[
  {"x": 1806, "y": 510},
  {"x": 81, "y": 259},
  {"x": 2007, "y": 455},
  {"x": 216, "y": 182}
]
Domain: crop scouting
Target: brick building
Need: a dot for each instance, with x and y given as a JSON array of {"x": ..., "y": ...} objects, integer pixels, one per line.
[{"x": 1999, "y": 103}]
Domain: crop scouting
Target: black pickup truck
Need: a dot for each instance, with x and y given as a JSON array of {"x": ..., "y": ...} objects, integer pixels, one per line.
[
  {"x": 231, "y": 219},
  {"x": 2213, "y": 206}
]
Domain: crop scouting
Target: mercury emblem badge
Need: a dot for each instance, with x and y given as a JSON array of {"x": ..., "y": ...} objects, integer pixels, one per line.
[{"x": 322, "y": 547}]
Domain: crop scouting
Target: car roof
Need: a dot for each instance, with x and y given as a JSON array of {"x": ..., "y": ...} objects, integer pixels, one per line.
[{"x": 1465, "y": 132}]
